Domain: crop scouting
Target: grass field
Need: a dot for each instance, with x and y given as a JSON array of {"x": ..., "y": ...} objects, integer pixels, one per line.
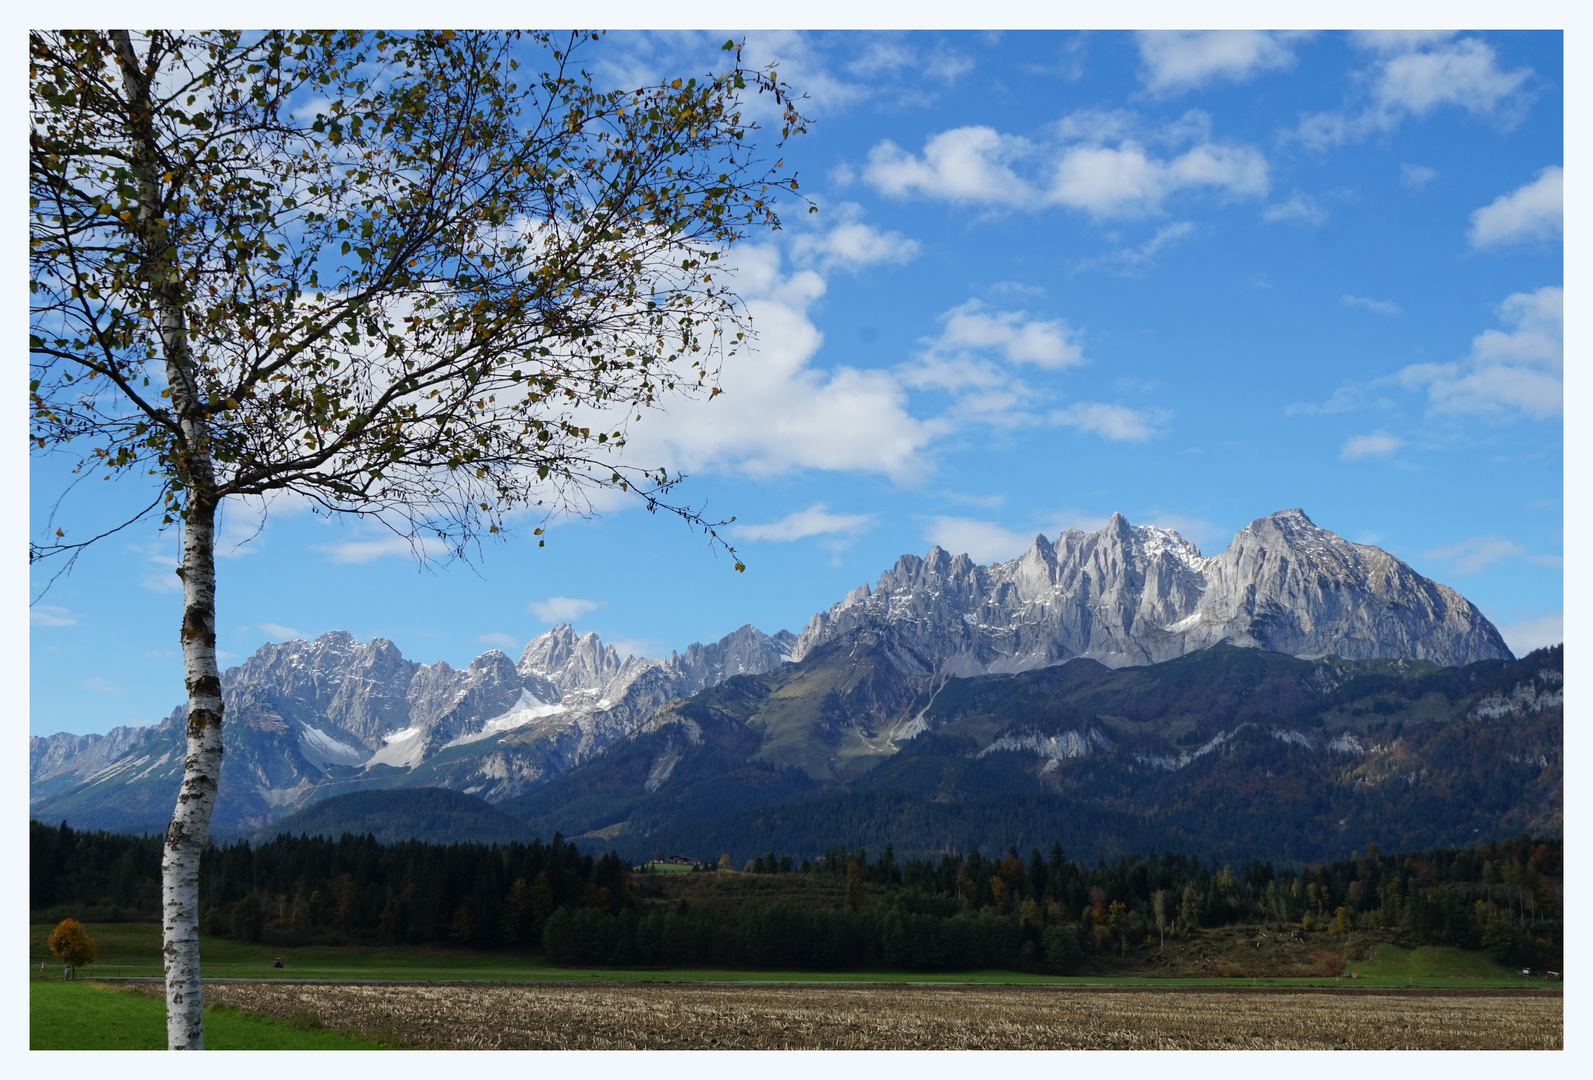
[
  {"x": 95, "y": 1016},
  {"x": 133, "y": 950}
]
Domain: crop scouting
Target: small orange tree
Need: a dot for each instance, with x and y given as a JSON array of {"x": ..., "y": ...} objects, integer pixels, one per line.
[{"x": 70, "y": 941}]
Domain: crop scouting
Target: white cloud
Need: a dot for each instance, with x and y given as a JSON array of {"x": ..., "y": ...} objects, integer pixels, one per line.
[
  {"x": 562, "y": 609},
  {"x": 1414, "y": 74},
  {"x": 1416, "y": 176},
  {"x": 641, "y": 647},
  {"x": 1177, "y": 60},
  {"x": 1297, "y": 207},
  {"x": 1077, "y": 519},
  {"x": 95, "y": 682},
  {"x": 1398, "y": 41},
  {"x": 279, "y": 632},
  {"x": 987, "y": 542},
  {"x": 1518, "y": 370},
  {"x": 1374, "y": 444},
  {"x": 1131, "y": 260},
  {"x": 507, "y": 642},
  {"x": 1126, "y": 181},
  {"x": 49, "y": 615},
  {"x": 801, "y": 61},
  {"x": 814, "y": 521},
  {"x": 982, "y": 541},
  {"x": 779, "y": 412},
  {"x": 1079, "y": 169},
  {"x": 1349, "y": 397},
  {"x": 1469, "y": 556},
  {"x": 966, "y": 164},
  {"x": 1464, "y": 74},
  {"x": 851, "y": 244},
  {"x": 1116, "y": 422},
  {"x": 1378, "y": 307},
  {"x": 162, "y": 558},
  {"x": 359, "y": 552},
  {"x": 1524, "y": 635},
  {"x": 972, "y": 327},
  {"x": 1534, "y": 211}
]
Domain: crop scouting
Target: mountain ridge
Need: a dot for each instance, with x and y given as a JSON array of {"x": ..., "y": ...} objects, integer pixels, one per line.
[{"x": 311, "y": 719}]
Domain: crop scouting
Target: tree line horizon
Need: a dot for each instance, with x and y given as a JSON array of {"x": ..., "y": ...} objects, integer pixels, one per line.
[{"x": 1046, "y": 912}]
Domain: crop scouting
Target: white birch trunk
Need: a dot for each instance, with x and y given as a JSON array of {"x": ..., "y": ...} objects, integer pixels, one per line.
[
  {"x": 185, "y": 837},
  {"x": 196, "y": 799}
]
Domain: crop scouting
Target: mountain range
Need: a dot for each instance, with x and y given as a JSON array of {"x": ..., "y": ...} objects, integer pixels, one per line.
[{"x": 865, "y": 680}]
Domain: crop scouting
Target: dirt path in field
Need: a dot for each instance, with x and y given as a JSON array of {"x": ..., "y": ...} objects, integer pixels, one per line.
[{"x": 679, "y": 1017}]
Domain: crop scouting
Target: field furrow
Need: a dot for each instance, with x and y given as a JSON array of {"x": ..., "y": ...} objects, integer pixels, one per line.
[{"x": 677, "y": 1016}]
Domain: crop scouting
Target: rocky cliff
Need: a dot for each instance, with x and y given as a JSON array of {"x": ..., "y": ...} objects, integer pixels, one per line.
[{"x": 1138, "y": 594}]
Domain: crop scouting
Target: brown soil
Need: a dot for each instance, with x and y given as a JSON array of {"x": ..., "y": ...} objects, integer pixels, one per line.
[{"x": 680, "y": 1016}]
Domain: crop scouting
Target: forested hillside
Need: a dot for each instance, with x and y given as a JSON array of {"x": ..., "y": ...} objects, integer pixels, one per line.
[
  {"x": 1232, "y": 753},
  {"x": 1042, "y": 912}
]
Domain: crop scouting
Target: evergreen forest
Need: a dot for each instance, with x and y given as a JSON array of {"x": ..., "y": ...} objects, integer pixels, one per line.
[{"x": 1043, "y": 912}]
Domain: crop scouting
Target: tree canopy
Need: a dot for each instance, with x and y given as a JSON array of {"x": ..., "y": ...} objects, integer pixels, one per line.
[
  {"x": 404, "y": 275},
  {"x": 430, "y": 278}
]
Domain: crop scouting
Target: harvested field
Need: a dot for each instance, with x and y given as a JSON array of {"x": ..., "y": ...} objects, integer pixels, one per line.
[{"x": 676, "y": 1016}]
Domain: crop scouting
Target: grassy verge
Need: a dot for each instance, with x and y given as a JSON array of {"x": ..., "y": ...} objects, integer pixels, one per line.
[
  {"x": 94, "y": 1016},
  {"x": 133, "y": 949}
]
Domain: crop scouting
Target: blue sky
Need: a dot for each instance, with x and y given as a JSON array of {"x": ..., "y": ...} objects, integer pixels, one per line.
[{"x": 1191, "y": 278}]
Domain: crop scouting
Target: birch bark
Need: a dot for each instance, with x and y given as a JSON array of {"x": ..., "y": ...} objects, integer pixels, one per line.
[{"x": 196, "y": 798}]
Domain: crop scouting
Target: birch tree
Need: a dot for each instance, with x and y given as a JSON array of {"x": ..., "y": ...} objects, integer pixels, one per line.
[{"x": 428, "y": 278}]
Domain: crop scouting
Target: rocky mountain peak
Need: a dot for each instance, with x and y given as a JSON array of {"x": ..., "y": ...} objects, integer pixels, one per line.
[{"x": 1131, "y": 594}]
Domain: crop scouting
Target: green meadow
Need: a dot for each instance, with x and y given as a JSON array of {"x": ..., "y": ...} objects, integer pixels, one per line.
[
  {"x": 130, "y": 950},
  {"x": 103, "y": 1016}
]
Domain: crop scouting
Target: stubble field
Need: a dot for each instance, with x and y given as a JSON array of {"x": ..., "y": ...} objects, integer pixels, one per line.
[{"x": 789, "y": 1017}]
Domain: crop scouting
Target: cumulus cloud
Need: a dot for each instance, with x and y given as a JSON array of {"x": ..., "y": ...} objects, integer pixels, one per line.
[
  {"x": 1098, "y": 162},
  {"x": 1349, "y": 397},
  {"x": 278, "y": 632},
  {"x": 780, "y": 411},
  {"x": 50, "y": 615},
  {"x": 1116, "y": 422},
  {"x": 161, "y": 559},
  {"x": 973, "y": 327},
  {"x": 966, "y": 164},
  {"x": 890, "y": 56},
  {"x": 1374, "y": 444},
  {"x": 1134, "y": 259},
  {"x": 1513, "y": 371},
  {"x": 982, "y": 541},
  {"x": 1524, "y": 635},
  {"x": 851, "y": 244},
  {"x": 1126, "y": 181},
  {"x": 562, "y": 609},
  {"x": 1464, "y": 74},
  {"x": 988, "y": 542},
  {"x": 1377, "y": 307},
  {"x": 507, "y": 642},
  {"x": 628, "y": 647},
  {"x": 814, "y": 521},
  {"x": 1414, "y": 74},
  {"x": 360, "y": 552},
  {"x": 1296, "y": 208},
  {"x": 1416, "y": 176},
  {"x": 1177, "y": 60},
  {"x": 1532, "y": 212},
  {"x": 1469, "y": 556}
]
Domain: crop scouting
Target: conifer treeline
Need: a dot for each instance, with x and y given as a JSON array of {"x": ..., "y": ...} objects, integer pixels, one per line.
[{"x": 959, "y": 911}]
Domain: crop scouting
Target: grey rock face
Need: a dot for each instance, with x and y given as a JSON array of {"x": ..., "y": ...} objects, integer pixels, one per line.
[
  {"x": 1129, "y": 595},
  {"x": 67, "y": 757},
  {"x": 297, "y": 709}
]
